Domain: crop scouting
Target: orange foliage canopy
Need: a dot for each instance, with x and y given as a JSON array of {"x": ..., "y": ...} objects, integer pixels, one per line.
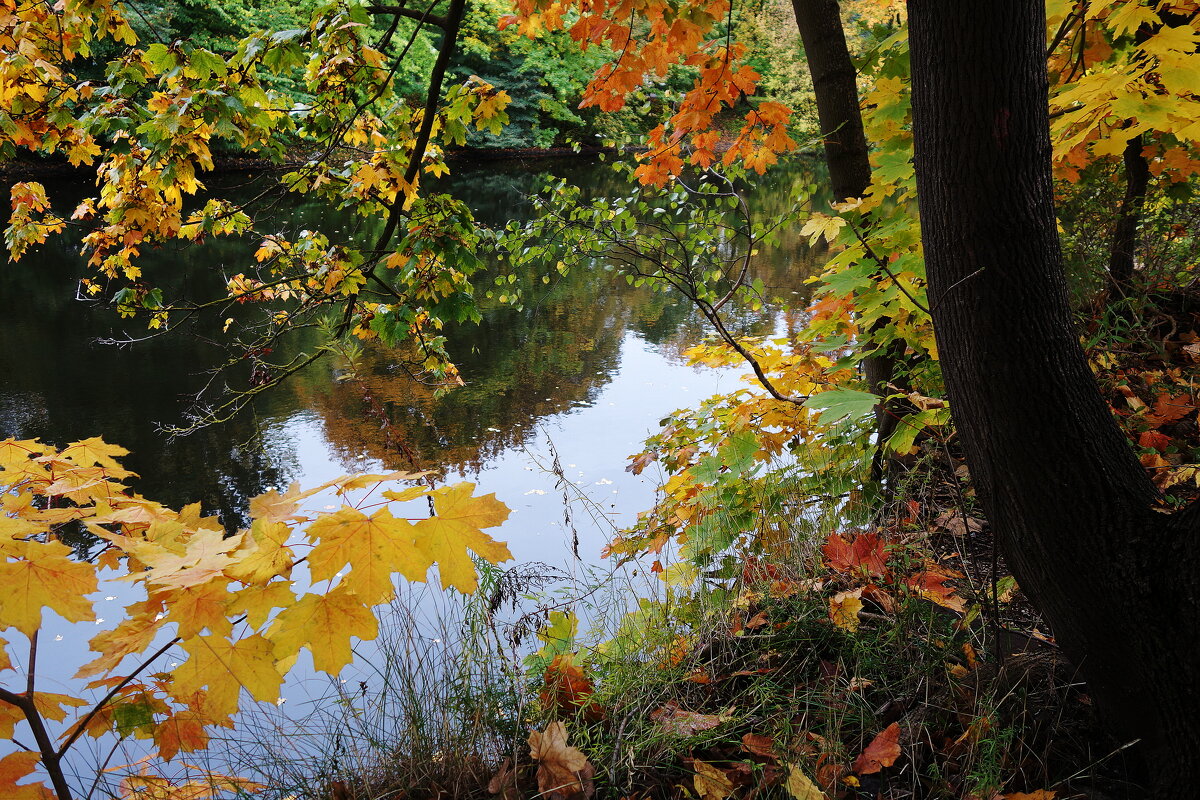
[{"x": 648, "y": 39}]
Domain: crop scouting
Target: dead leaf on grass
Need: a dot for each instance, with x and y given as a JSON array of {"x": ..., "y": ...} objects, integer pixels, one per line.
[
  {"x": 958, "y": 524},
  {"x": 562, "y": 770},
  {"x": 930, "y": 583},
  {"x": 1040, "y": 794},
  {"x": 864, "y": 553},
  {"x": 844, "y": 608},
  {"x": 759, "y": 745},
  {"x": 504, "y": 782},
  {"x": 1170, "y": 408},
  {"x": 673, "y": 719},
  {"x": 711, "y": 782},
  {"x": 882, "y": 752},
  {"x": 801, "y": 787}
]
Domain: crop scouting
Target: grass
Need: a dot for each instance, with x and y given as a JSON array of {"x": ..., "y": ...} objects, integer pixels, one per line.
[{"x": 740, "y": 674}]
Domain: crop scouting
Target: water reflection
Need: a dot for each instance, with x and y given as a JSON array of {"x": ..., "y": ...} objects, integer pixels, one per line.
[{"x": 554, "y": 355}]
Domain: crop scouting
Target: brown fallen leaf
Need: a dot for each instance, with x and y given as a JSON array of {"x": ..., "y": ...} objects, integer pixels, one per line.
[
  {"x": 1170, "y": 408},
  {"x": 956, "y": 523},
  {"x": 563, "y": 771},
  {"x": 757, "y": 621},
  {"x": 711, "y": 782},
  {"x": 1040, "y": 794},
  {"x": 829, "y": 773},
  {"x": 759, "y": 745},
  {"x": 675, "y": 720},
  {"x": 882, "y": 752},
  {"x": 504, "y": 782}
]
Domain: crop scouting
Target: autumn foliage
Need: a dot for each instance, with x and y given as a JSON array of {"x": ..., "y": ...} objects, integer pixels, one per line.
[{"x": 238, "y": 606}]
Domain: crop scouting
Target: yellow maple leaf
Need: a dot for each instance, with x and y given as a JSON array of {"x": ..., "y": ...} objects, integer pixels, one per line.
[
  {"x": 844, "y": 608},
  {"x": 9, "y": 717},
  {"x": 198, "y": 607},
  {"x": 257, "y": 602},
  {"x": 457, "y": 527},
  {"x": 263, "y": 555},
  {"x": 204, "y": 556},
  {"x": 275, "y": 507},
  {"x": 54, "y": 706},
  {"x": 132, "y": 635},
  {"x": 374, "y": 547},
  {"x": 404, "y": 495},
  {"x": 349, "y": 483},
  {"x": 95, "y": 450},
  {"x": 324, "y": 624},
  {"x": 180, "y": 731},
  {"x": 226, "y": 667},
  {"x": 16, "y": 453},
  {"x": 44, "y": 576},
  {"x": 822, "y": 225}
]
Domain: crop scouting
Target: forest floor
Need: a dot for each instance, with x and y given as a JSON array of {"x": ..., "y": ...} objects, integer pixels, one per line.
[{"x": 895, "y": 661}]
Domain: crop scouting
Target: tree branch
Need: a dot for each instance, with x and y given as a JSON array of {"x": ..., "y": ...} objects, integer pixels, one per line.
[{"x": 420, "y": 16}]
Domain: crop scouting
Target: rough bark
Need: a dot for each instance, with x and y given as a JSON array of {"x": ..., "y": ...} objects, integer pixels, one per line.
[{"x": 1072, "y": 509}]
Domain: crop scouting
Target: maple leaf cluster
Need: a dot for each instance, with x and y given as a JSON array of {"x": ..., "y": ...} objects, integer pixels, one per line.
[
  {"x": 240, "y": 605},
  {"x": 647, "y": 39}
]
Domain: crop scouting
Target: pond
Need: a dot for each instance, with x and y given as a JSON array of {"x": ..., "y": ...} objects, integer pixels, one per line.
[{"x": 577, "y": 378}]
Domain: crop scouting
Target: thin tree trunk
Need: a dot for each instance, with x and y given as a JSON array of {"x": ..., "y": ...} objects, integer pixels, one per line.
[
  {"x": 835, "y": 85},
  {"x": 1071, "y": 506},
  {"x": 1124, "y": 241}
]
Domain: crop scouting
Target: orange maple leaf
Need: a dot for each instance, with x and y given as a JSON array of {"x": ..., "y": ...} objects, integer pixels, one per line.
[
  {"x": 882, "y": 752},
  {"x": 864, "y": 553}
]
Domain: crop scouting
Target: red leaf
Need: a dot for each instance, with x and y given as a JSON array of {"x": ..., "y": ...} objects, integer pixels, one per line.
[
  {"x": 882, "y": 752},
  {"x": 931, "y": 583},
  {"x": 568, "y": 689},
  {"x": 865, "y": 553},
  {"x": 1158, "y": 441},
  {"x": 758, "y": 745}
]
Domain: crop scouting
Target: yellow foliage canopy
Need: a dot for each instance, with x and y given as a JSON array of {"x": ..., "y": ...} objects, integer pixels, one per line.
[{"x": 228, "y": 600}]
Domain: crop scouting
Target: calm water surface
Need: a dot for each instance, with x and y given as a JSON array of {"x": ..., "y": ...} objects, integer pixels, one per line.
[{"x": 583, "y": 374}]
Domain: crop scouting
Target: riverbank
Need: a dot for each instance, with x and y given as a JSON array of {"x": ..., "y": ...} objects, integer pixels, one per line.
[{"x": 14, "y": 171}]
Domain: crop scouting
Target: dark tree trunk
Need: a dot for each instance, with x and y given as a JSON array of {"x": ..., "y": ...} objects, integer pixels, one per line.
[
  {"x": 835, "y": 85},
  {"x": 1124, "y": 242},
  {"x": 1071, "y": 507}
]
